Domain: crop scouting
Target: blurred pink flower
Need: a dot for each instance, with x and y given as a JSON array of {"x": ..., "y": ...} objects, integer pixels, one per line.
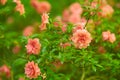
[
  {"x": 81, "y": 39},
  {"x": 33, "y": 46},
  {"x": 64, "y": 27},
  {"x": 5, "y": 69},
  {"x": 17, "y": 1},
  {"x": 32, "y": 70},
  {"x": 20, "y": 8},
  {"x": 65, "y": 15},
  {"x": 78, "y": 26},
  {"x": 76, "y": 8},
  {"x": 74, "y": 18},
  {"x": 112, "y": 38},
  {"x": 21, "y": 78},
  {"x": 42, "y": 26},
  {"x": 45, "y": 18},
  {"x": 28, "y": 31},
  {"x": 3, "y": 2},
  {"x": 108, "y": 36},
  {"x": 94, "y": 4},
  {"x": 16, "y": 49},
  {"x": 41, "y": 7},
  {"x": 64, "y": 45},
  {"x": 101, "y": 50},
  {"x": 106, "y": 10}
]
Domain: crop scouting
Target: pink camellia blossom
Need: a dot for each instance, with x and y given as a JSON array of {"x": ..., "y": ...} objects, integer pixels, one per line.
[
  {"x": 108, "y": 36},
  {"x": 64, "y": 45},
  {"x": 75, "y": 8},
  {"x": 20, "y": 8},
  {"x": 64, "y": 27},
  {"x": 33, "y": 46},
  {"x": 65, "y": 15},
  {"x": 3, "y": 2},
  {"x": 81, "y": 39},
  {"x": 112, "y": 38},
  {"x": 106, "y": 10},
  {"x": 16, "y": 49},
  {"x": 28, "y": 31},
  {"x": 5, "y": 69},
  {"x": 41, "y": 7},
  {"x": 45, "y": 18},
  {"x": 74, "y": 18},
  {"x": 32, "y": 70},
  {"x": 78, "y": 26},
  {"x": 42, "y": 26},
  {"x": 21, "y": 78}
]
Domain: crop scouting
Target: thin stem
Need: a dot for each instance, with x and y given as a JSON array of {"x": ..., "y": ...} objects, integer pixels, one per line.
[{"x": 83, "y": 73}]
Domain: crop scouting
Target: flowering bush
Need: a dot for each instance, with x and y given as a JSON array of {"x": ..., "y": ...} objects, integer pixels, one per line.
[{"x": 62, "y": 39}]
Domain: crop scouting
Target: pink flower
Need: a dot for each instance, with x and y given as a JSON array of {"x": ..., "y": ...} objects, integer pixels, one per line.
[
  {"x": 75, "y": 8},
  {"x": 112, "y": 38},
  {"x": 20, "y": 8},
  {"x": 94, "y": 4},
  {"x": 81, "y": 39},
  {"x": 42, "y": 27},
  {"x": 33, "y": 46},
  {"x": 64, "y": 27},
  {"x": 41, "y": 7},
  {"x": 74, "y": 19},
  {"x": 21, "y": 78},
  {"x": 66, "y": 15},
  {"x": 45, "y": 18},
  {"x": 5, "y": 69},
  {"x": 64, "y": 45},
  {"x": 78, "y": 26},
  {"x": 28, "y": 31},
  {"x": 108, "y": 36},
  {"x": 32, "y": 70},
  {"x": 106, "y": 10},
  {"x": 3, "y": 2},
  {"x": 16, "y": 49},
  {"x": 101, "y": 49},
  {"x": 17, "y": 1}
]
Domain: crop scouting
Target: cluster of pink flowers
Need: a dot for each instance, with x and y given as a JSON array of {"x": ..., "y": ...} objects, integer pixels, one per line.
[
  {"x": 72, "y": 14},
  {"x": 19, "y": 7},
  {"x": 32, "y": 70},
  {"x": 33, "y": 46},
  {"x": 6, "y": 70},
  {"x": 3, "y": 2},
  {"x": 41, "y": 7},
  {"x": 108, "y": 36},
  {"x": 45, "y": 21},
  {"x": 28, "y": 31}
]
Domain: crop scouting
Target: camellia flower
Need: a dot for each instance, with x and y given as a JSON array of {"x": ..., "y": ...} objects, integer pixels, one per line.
[
  {"x": 45, "y": 18},
  {"x": 5, "y": 69},
  {"x": 106, "y": 10},
  {"x": 41, "y": 7},
  {"x": 78, "y": 26},
  {"x": 75, "y": 8},
  {"x": 108, "y": 36},
  {"x": 74, "y": 19},
  {"x": 44, "y": 21},
  {"x": 3, "y": 2},
  {"x": 81, "y": 39},
  {"x": 20, "y": 8},
  {"x": 32, "y": 70},
  {"x": 65, "y": 15},
  {"x": 28, "y": 31},
  {"x": 33, "y": 46},
  {"x": 16, "y": 49}
]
